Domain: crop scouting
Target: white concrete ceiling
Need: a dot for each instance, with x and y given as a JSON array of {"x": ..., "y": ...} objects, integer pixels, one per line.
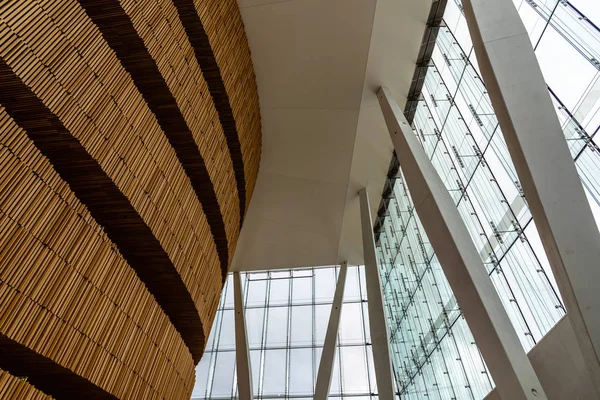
[{"x": 318, "y": 64}]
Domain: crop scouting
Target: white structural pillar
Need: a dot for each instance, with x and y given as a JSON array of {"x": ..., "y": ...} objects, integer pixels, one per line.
[
  {"x": 329, "y": 346},
  {"x": 459, "y": 258},
  {"x": 544, "y": 164},
  {"x": 242, "y": 355},
  {"x": 377, "y": 323}
]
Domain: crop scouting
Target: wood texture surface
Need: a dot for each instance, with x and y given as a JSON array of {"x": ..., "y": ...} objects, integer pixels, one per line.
[
  {"x": 127, "y": 161},
  {"x": 121, "y": 35},
  {"x": 76, "y": 275},
  {"x": 223, "y": 25},
  {"x": 12, "y": 387}
]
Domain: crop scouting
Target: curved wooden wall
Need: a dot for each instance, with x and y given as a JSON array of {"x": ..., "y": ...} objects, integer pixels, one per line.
[
  {"x": 129, "y": 150},
  {"x": 12, "y": 387}
]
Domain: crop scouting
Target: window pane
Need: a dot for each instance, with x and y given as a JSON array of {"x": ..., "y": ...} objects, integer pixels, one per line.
[
  {"x": 301, "y": 332},
  {"x": 301, "y": 372},
  {"x": 351, "y": 288},
  {"x": 257, "y": 293},
  {"x": 255, "y": 366},
  {"x": 321, "y": 320},
  {"x": 228, "y": 292},
  {"x": 277, "y": 326},
  {"x": 279, "y": 293},
  {"x": 350, "y": 328},
  {"x": 336, "y": 382},
  {"x": 301, "y": 290},
  {"x": 223, "y": 376},
  {"x": 227, "y": 333},
  {"x": 274, "y": 379},
  {"x": 304, "y": 273},
  {"x": 254, "y": 326},
  {"x": 202, "y": 371},
  {"x": 214, "y": 332},
  {"x": 325, "y": 280},
  {"x": 354, "y": 369}
]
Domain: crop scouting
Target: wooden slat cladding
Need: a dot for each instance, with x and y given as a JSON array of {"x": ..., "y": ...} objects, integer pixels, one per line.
[
  {"x": 206, "y": 59},
  {"x": 107, "y": 204},
  {"x": 21, "y": 387},
  {"x": 12, "y": 387},
  {"x": 119, "y": 32},
  {"x": 99, "y": 104},
  {"x": 74, "y": 272},
  {"x": 138, "y": 150},
  {"x": 157, "y": 23},
  {"x": 125, "y": 172},
  {"x": 223, "y": 25}
]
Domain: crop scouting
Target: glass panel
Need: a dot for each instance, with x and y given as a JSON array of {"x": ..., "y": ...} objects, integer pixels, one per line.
[
  {"x": 275, "y": 372},
  {"x": 325, "y": 280},
  {"x": 302, "y": 325},
  {"x": 222, "y": 384},
  {"x": 277, "y": 329},
  {"x": 202, "y": 375},
  {"x": 301, "y": 372},
  {"x": 433, "y": 351},
  {"x": 349, "y": 320},
  {"x": 228, "y": 291},
  {"x": 257, "y": 293},
  {"x": 256, "y": 369},
  {"x": 227, "y": 332},
  {"x": 254, "y": 326},
  {"x": 279, "y": 292},
  {"x": 354, "y": 369},
  {"x": 321, "y": 320},
  {"x": 302, "y": 290},
  {"x": 351, "y": 287},
  {"x": 336, "y": 381}
]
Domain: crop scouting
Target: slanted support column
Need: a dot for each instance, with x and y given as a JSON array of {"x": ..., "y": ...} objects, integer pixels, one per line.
[
  {"x": 242, "y": 355},
  {"x": 544, "y": 164},
  {"x": 459, "y": 258},
  {"x": 329, "y": 346},
  {"x": 377, "y": 322}
]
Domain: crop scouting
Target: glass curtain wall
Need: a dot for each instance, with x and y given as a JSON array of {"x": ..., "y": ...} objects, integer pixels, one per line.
[
  {"x": 434, "y": 354},
  {"x": 287, "y": 313}
]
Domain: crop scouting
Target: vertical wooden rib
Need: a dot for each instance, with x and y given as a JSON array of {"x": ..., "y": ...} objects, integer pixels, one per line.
[
  {"x": 107, "y": 204},
  {"x": 210, "y": 69},
  {"x": 120, "y": 34}
]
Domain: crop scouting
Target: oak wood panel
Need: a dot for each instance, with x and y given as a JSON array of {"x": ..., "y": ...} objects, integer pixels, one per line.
[
  {"x": 125, "y": 148},
  {"x": 206, "y": 59},
  {"x": 126, "y": 163},
  {"x": 119, "y": 32},
  {"x": 75, "y": 272},
  {"x": 158, "y": 24},
  {"x": 223, "y": 24}
]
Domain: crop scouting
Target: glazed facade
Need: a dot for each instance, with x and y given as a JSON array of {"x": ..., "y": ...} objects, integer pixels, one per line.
[{"x": 433, "y": 351}]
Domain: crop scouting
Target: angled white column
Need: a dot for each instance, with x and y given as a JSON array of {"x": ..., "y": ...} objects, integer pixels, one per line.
[
  {"x": 377, "y": 323},
  {"x": 464, "y": 269},
  {"x": 544, "y": 164},
  {"x": 329, "y": 346},
  {"x": 242, "y": 354}
]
